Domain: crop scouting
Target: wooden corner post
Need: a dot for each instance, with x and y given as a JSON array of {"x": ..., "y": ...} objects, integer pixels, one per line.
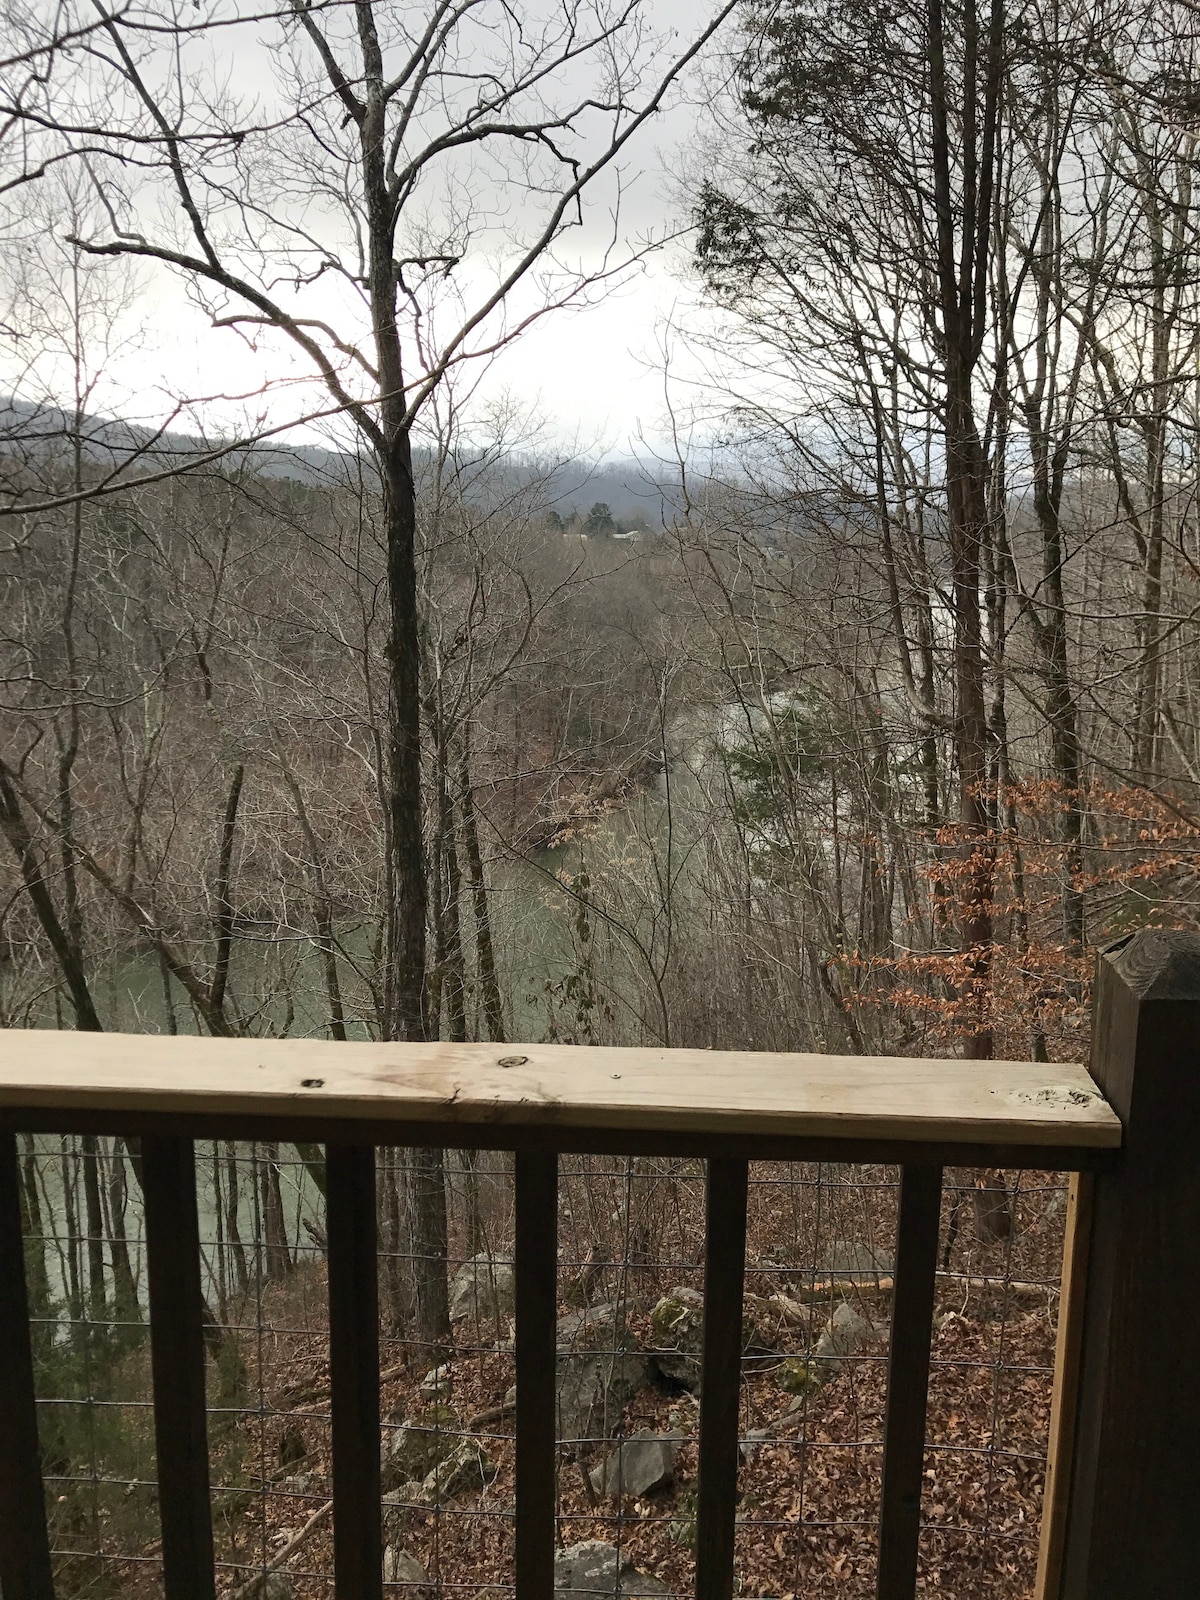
[{"x": 1133, "y": 1506}]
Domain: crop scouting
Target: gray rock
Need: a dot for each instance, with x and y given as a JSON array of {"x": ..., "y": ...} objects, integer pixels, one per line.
[
  {"x": 400, "y": 1567},
  {"x": 843, "y": 1336},
  {"x": 639, "y": 1465},
  {"x": 755, "y": 1438},
  {"x": 596, "y": 1569},
  {"x": 845, "y": 1333},
  {"x": 848, "y": 1261},
  {"x": 597, "y": 1373},
  {"x": 276, "y": 1586},
  {"x": 484, "y": 1287},
  {"x": 467, "y": 1467},
  {"x": 416, "y": 1448},
  {"x": 436, "y": 1384}
]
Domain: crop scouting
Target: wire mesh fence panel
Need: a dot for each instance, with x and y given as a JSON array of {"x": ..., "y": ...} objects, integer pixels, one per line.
[
  {"x": 818, "y": 1294},
  {"x": 263, "y": 1247},
  {"x": 85, "y": 1273},
  {"x": 448, "y": 1393}
]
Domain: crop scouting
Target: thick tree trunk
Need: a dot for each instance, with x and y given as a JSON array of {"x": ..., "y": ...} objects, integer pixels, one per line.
[
  {"x": 404, "y": 976},
  {"x": 279, "y": 1260},
  {"x": 963, "y": 243},
  {"x": 977, "y": 851},
  {"x": 125, "y": 1302}
]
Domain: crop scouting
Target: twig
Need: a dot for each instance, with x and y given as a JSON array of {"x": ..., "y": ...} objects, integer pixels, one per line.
[
  {"x": 485, "y": 1418},
  {"x": 253, "y": 1585}
]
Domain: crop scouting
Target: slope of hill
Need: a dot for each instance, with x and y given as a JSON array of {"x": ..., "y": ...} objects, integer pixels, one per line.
[{"x": 40, "y": 434}]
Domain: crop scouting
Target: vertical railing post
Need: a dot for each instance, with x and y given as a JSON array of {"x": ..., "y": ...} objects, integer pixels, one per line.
[
  {"x": 24, "y": 1546},
  {"x": 720, "y": 1377},
  {"x": 908, "y": 1381},
  {"x": 177, "y": 1365},
  {"x": 536, "y": 1185},
  {"x": 350, "y": 1225},
  {"x": 1133, "y": 1506}
]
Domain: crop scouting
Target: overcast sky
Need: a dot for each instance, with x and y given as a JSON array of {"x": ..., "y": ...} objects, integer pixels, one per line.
[{"x": 594, "y": 374}]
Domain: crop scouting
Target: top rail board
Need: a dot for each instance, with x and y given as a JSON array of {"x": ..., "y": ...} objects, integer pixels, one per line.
[{"x": 1018, "y": 1104}]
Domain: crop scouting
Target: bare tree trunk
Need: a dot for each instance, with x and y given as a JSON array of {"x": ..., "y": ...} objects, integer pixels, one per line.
[
  {"x": 279, "y": 1261},
  {"x": 89, "y": 1153},
  {"x": 398, "y": 1285},
  {"x": 69, "y": 1163},
  {"x": 322, "y": 907},
  {"x": 962, "y": 255},
  {"x": 232, "y": 1230},
  {"x": 223, "y": 920},
  {"x": 429, "y": 1250},
  {"x": 16, "y": 830},
  {"x": 124, "y": 1289},
  {"x": 34, "y": 1231},
  {"x": 485, "y": 955},
  {"x": 454, "y": 982}
]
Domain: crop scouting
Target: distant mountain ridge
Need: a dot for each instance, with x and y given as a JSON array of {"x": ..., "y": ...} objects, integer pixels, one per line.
[{"x": 41, "y": 432}]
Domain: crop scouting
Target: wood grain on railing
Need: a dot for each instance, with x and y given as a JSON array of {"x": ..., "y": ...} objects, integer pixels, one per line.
[{"x": 490, "y": 1094}]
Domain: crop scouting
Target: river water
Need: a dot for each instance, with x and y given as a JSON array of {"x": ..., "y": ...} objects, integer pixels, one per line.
[{"x": 561, "y": 967}]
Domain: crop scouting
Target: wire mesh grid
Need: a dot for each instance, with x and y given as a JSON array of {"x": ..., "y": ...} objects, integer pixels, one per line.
[{"x": 818, "y": 1282}]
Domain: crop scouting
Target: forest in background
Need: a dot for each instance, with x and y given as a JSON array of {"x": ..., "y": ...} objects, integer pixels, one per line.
[{"x": 883, "y": 722}]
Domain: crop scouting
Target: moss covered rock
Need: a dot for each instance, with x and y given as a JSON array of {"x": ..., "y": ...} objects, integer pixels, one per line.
[
  {"x": 417, "y": 1447},
  {"x": 797, "y": 1375},
  {"x": 466, "y": 1467}
]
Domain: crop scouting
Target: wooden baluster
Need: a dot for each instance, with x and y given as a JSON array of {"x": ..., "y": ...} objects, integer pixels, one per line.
[
  {"x": 177, "y": 1364},
  {"x": 536, "y": 1183},
  {"x": 354, "y": 1371},
  {"x": 908, "y": 1381},
  {"x": 24, "y": 1545},
  {"x": 720, "y": 1377}
]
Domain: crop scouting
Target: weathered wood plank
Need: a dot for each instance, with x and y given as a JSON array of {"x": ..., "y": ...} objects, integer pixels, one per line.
[{"x": 1019, "y": 1105}]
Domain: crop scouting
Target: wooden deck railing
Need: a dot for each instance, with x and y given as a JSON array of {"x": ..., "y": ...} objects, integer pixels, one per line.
[{"x": 1113, "y": 1525}]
